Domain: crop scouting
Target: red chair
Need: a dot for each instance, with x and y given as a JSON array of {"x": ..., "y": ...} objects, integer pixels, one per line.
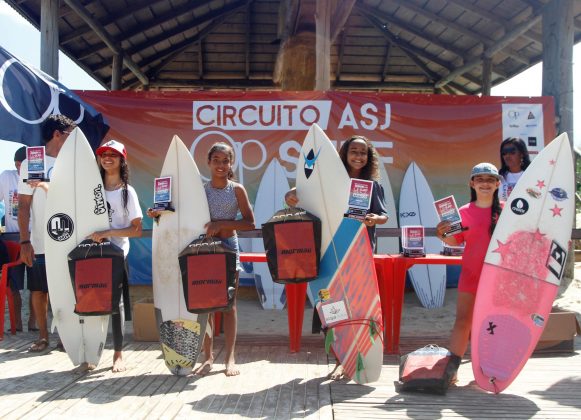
[{"x": 5, "y": 292}]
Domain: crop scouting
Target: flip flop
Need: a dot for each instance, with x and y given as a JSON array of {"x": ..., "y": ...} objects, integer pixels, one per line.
[{"x": 38, "y": 346}]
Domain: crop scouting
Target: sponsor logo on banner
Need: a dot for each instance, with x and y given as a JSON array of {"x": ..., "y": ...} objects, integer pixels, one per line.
[
  {"x": 261, "y": 115},
  {"x": 60, "y": 227},
  {"x": 519, "y": 206}
]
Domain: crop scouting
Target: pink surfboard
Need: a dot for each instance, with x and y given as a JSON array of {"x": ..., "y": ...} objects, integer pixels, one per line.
[{"x": 523, "y": 267}]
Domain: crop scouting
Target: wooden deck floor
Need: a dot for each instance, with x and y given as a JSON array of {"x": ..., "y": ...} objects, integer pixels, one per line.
[{"x": 274, "y": 384}]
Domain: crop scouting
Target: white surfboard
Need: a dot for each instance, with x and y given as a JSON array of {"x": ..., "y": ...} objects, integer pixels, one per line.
[
  {"x": 416, "y": 207},
  {"x": 181, "y": 332},
  {"x": 523, "y": 267},
  {"x": 346, "y": 291},
  {"x": 269, "y": 199},
  {"x": 387, "y": 245},
  {"x": 72, "y": 213}
]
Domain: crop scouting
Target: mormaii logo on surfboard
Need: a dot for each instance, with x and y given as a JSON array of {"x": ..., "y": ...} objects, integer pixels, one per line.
[
  {"x": 260, "y": 115},
  {"x": 310, "y": 160},
  {"x": 60, "y": 227},
  {"x": 519, "y": 206}
]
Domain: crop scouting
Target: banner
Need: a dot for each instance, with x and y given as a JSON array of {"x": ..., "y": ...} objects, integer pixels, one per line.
[
  {"x": 28, "y": 96},
  {"x": 444, "y": 135}
]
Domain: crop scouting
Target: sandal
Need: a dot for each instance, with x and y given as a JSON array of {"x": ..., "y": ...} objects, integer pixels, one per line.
[{"x": 38, "y": 346}]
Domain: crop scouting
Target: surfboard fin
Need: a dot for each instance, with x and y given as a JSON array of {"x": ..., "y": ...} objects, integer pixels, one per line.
[
  {"x": 359, "y": 367},
  {"x": 329, "y": 339},
  {"x": 372, "y": 331}
]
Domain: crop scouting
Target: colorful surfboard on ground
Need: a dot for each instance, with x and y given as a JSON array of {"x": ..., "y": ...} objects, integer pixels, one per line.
[
  {"x": 416, "y": 208},
  {"x": 346, "y": 292},
  {"x": 523, "y": 267},
  {"x": 269, "y": 199},
  {"x": 181, "y": 333},
  {"x": 74, "y": 209}
]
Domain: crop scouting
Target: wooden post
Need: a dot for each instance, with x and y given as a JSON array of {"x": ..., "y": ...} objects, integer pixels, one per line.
[
  {"x": 49, "y": 38},
  {"x": 117, "y": 69},
  {"x": 558, "y": 76},
  {"x": 486, "y": 76},
  {"x": 323, "y": 44}
]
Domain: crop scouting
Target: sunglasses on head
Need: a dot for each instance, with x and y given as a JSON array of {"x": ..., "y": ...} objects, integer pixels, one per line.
[{"x": 509, "y": 151}]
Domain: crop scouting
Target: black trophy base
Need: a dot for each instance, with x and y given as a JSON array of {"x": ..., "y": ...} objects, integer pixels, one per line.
[
  {"x": 414, "y": 252},
  {"x": 163, "y": 207}
]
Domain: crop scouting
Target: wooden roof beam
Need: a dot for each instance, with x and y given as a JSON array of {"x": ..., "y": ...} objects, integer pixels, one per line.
[
  {"x": 248, "y": 22},
  {"x": 386, "y": 61},
  {"x": 164, "y": 36},
  {"x": 113, "y": 44},
  {"x": 340, "y": 56},
  {"x": 536, "y": 4},
  {"x": 505, "y": 24},
  {"x": 340, "y": 16},
  {"x": 168, "y": 55},
  {"x": 136, "y": 6},
  {"x": 168, "y": 17},
  {"x": 491, "y": 51},
  {"x": 480, "y": 38},
  {"x": 411, "y": 51},
  {"x": 407, "y": 47},
  {"x": 408, "y": 28}
]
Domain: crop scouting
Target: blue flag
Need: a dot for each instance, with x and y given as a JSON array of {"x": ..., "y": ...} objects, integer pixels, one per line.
[{"x": 28, "y": 96}]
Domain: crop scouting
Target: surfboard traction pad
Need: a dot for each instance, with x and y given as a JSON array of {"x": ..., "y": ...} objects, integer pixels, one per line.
[{"x": 181, "y": 342}]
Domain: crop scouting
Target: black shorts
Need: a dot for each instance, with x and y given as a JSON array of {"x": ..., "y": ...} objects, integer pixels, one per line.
[
  {"x": 16, "y": 277},
  {"x": 37, "y": 275}
]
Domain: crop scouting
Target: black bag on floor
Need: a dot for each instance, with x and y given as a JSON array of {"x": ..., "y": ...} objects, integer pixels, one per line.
[
  {"x": 208, "y": 269},
  {"x": 428, "y": 369},
  {"x": 292, "y": 241},
  {"x": 97, "y": 272}
]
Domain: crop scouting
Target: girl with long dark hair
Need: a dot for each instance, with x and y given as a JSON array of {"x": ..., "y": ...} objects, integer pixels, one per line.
[{"x": 125, "y": 222}]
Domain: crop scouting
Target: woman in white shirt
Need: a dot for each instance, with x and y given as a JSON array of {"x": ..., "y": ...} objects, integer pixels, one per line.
[{"x": 514, "y": 157}]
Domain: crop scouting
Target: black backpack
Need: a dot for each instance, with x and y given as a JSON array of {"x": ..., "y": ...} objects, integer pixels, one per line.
[
  {"x": 97, "y": 271},
  {"x": 292, "y": 241},
  {"x": 208, "y": 269}
]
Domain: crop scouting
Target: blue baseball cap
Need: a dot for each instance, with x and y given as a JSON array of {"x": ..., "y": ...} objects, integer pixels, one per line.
[{"x": 485, "y": 168}]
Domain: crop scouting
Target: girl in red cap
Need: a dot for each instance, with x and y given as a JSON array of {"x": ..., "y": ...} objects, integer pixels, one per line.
[
  {"x": 479, "y": 219},
  {"x": 125, "y": 222}
]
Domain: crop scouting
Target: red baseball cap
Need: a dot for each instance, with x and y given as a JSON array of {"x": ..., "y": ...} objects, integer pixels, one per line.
[{"x": 112, "y": 145}]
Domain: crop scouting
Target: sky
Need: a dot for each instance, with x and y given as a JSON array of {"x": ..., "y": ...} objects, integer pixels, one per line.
[{"x": 22, "y": 40}]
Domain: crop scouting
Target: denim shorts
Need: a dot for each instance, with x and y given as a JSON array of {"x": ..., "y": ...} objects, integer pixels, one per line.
[{"x": 232, "y": 242}]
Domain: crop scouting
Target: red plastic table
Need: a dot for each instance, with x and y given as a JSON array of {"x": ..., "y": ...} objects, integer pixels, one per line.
[
  {"x": 391, "y": 273},
  {"x": 391, "y": 289},
  {"x": 296, "y": 295}
]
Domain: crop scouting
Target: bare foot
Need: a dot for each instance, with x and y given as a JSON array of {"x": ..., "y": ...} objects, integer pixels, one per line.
[
  {"x": 337, "y": 373},
  {"x": 204, "y": 368},
  {"x": 232, "y": 369},
  {"x": 118, "y": 364},
  {"x": 84, "y": 367}
]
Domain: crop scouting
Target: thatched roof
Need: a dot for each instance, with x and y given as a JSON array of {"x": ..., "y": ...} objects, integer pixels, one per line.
[{"x": 386, "y": 45}]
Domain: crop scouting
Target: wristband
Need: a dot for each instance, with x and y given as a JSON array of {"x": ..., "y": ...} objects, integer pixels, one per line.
[{"x": 24, "y": 242}]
